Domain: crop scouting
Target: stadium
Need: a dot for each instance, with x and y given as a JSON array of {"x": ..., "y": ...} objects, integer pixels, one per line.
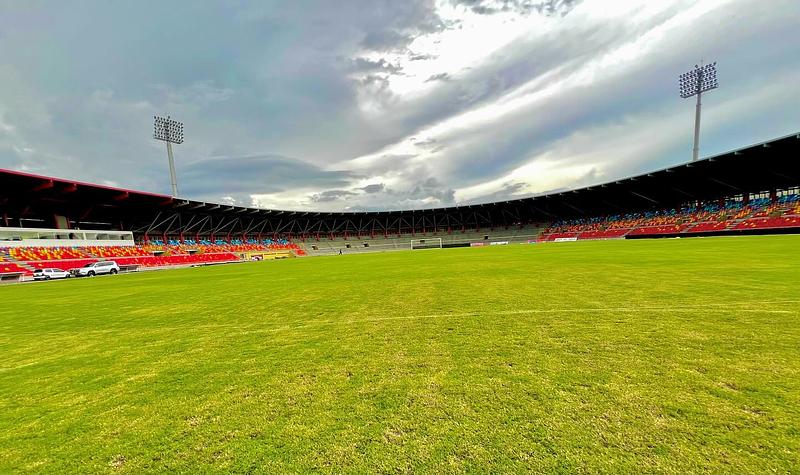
[
  {"x": 158, "y": 362},
  {"x": 752, "y": 190},
  {"x": 640, "y": 324}
]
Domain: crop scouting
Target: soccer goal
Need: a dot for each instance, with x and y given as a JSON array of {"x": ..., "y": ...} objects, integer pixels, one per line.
[{"x": 427, "y": 243}]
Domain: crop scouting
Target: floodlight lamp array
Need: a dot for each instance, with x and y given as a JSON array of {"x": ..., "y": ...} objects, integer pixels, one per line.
[
  {"x": 168, "y": 130},
  {"x": 700, "y": 79}
]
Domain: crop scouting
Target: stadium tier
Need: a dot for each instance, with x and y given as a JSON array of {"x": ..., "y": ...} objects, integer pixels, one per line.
[
  {"x": 13, "y": 268},
  {"x": 45, "y": 253},
  {"x": 750, "y": 190},
  {"x": 179, "y": 260},
  {"x": 780, "y": 213},
  {"x": 7, "y": 267},
  {"x": 27, "y": 259}
]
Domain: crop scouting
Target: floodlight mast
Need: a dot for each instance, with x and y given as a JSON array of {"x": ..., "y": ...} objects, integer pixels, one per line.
[
  {"x": 171, "y": 132},
  {"x": 694, "y": 83}
]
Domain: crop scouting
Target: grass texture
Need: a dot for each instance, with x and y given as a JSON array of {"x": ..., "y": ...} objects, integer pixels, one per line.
[{"x": 655, "y": 356}]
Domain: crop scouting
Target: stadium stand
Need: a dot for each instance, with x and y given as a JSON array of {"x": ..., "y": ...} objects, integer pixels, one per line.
[
  {"x": 111, "y": 252},
  {"x": 178, "y": 260},
  {"x": 7, "y": 267},
  {"x": 393, "y": 242},
  {"x": 783, "y": 213},
  {"x": 46, "y": 220},
  {"x": 26, "y": 259},
  {"x": 45, "y": 253}
]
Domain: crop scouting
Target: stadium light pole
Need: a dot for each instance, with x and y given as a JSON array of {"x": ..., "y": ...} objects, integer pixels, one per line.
[
  {"x": 694, "y": 83},
  {"x": 171, "y": 132}
]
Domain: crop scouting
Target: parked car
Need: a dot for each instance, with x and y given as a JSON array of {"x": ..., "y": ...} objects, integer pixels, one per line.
[
  {"x": 50, "y": 273},
  {"x": 96, "y": 268}
]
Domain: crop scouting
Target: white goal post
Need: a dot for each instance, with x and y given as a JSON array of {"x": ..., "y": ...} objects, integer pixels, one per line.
[{"x": 426, "y": 243}]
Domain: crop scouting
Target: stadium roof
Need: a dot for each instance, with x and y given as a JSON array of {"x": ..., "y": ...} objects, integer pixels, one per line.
[{"x": 33, "y": 200}]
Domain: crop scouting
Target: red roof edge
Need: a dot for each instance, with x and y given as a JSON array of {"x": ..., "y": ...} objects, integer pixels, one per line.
[{"x": 81, "y": 183}]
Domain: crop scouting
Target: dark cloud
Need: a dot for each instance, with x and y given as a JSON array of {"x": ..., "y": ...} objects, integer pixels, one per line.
[
  {"x": 374, "y": 188},
  {"x": 240, "y": 177},
  {"x": 375, "y": 82},
  {"x": 425, "y": 143},
  {"x": 388, "y": 40},
  {"x": 426, "y": 193},
  {"x": 330, "y": 195},
  {"x": 420, "y": 57},
  {"x": 363, "y": 65},
  {"x": 400, "y": 23},
  {"x": 547, "y": 7},
  {"x": 432, "y": 189},
  {"x": 438, "y": 77}
]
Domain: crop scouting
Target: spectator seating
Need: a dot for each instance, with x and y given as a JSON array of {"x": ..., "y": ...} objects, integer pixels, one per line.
[
  {"x": 760, "y": 213},
  {"x": 236, "y": 245},
  {"x": 111, "y": 252},
  {"x": 45, "y": 253},
  {"x": 11, "y": 267},
  {"x": 769, "y": 222},
  {"x": 166, "y": 261},
  {"x": 27, "y": 259},
  {"x": 7, "y": 267},
  {"x": 712, "y": 226},
  {"x": 659, "y": 229}
]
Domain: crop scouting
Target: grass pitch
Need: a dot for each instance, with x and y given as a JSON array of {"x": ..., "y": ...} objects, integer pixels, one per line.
[{"x": 667, "y": 356}]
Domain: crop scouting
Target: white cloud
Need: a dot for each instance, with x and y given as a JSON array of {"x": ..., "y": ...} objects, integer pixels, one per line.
[
  {"x": 438, "y": 102},
  {"x": 612, "y": 65}
]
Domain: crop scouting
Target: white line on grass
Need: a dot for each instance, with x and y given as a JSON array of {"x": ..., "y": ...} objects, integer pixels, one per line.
[
  {"x": 317, "y": 323},
  {"x": 305, "y": 323},
  {"x": 679, "y": 309}
]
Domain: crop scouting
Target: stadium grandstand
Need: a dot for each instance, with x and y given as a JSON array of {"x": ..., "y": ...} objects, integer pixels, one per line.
[{"x": 54, "y": 222}]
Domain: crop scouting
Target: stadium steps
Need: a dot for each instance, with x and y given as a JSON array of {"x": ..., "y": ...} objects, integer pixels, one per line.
[
  {"x": 732, "y": 224},
  {"x": 25, "y": 265},
  {"x": 735, "y": 222},
  {"x": 5, "y": 258}
]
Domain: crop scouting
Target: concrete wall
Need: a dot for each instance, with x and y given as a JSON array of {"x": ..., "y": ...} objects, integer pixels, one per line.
[
  {"x": 35, "y": 237},
  {"x": 403, "y": 243}
]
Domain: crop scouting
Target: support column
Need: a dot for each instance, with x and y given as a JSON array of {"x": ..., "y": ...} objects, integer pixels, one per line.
[
  {"x": 696, "y": 149},
  {"x": 172, "y": 173}
]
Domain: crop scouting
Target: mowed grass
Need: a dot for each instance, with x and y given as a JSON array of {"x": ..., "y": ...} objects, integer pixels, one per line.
[{"x": 668, "y": 356}]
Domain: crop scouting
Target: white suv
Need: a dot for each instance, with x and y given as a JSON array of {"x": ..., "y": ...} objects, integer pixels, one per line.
[
  {"x": 50, "y": 273},
  {"x": 96, "y": 268}
]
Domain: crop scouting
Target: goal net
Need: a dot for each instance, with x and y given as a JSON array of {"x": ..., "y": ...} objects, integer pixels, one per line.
[{"x": 427, "y": 243}]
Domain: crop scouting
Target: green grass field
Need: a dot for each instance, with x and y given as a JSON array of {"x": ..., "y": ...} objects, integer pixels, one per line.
[{"x": 669, "y": 356}]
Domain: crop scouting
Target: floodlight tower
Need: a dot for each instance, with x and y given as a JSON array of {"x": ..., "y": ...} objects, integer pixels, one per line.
[
  {"x": 694, "y": 83},
  {"x": 171, "y": 132}
]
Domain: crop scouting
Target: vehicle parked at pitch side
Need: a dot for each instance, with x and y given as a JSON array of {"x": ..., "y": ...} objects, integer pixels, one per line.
[
  {"x": 50, "y": 273},
  {"x": 96, "y": 268}
]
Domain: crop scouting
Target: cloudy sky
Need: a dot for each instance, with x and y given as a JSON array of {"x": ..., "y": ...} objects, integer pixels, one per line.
[{"x": 385, "y": 104}]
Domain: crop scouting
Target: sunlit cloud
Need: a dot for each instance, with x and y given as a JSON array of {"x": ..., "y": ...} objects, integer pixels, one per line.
[{"x": 379, "y": 104}]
